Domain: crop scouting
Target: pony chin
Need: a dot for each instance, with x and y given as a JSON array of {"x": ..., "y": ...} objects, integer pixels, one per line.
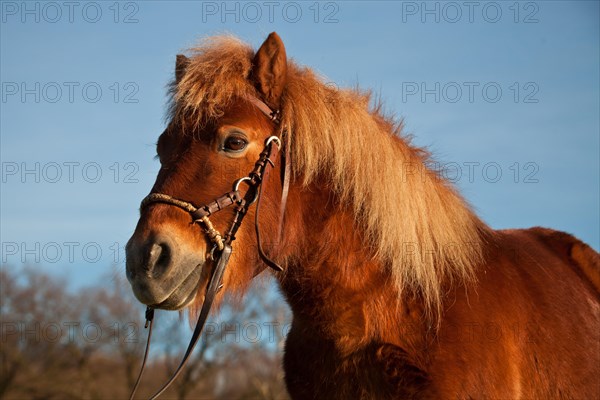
[
  {"x": 178, "y": 300},
  {"x": 183, "y": 295}
]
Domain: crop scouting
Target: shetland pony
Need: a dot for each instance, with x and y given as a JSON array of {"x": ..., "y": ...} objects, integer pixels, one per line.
[{"x": 398, "y": 290}]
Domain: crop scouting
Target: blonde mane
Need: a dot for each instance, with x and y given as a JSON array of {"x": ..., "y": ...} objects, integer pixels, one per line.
[{"x": 419, "y": 227}]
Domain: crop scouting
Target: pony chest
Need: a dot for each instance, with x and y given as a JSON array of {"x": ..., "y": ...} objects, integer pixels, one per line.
[{"x": 315, "y": 368}]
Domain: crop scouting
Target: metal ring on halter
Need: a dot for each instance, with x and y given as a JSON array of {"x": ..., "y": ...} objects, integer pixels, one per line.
[
  {"x": 274, "y": 139},
  {"x": 211, "y": 254},
  {"x": 236, "y": 187}
]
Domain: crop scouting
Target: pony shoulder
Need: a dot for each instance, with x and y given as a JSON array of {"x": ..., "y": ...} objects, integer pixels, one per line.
[{"x": 578, "y": 253}]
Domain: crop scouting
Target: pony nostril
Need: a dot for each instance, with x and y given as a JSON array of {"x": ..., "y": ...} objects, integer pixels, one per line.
[
  {"x": 165, "y": 256},
  {"x": 159, "y": 258}
]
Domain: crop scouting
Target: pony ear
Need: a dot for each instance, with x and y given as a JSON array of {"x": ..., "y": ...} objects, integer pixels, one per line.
[
  {"x": 181, "y": 64},
  {"x": 269, "y": 70}
]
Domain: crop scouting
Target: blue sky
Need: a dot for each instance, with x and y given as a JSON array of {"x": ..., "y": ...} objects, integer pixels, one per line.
[{"x": 505, "y": 94}]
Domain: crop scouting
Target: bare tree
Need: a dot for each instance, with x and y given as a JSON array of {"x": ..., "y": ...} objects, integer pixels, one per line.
[
  {"x": 89, "y": 343},
  {"x": 33, "y": 335}
]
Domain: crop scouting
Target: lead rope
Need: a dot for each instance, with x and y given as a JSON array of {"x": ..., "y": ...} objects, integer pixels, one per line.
[{"x": 148, "y": 325}]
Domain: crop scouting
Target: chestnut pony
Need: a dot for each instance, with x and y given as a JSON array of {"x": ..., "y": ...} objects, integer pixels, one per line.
[{"x": 398, "y": 290}]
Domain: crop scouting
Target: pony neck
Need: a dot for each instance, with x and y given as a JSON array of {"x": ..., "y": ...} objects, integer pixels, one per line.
[
  {"x": 408, "y": 234},
  {"x": 336, "y": 286}
]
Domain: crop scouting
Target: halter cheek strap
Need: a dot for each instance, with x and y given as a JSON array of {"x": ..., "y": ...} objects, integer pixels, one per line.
[{"x": 285, "y": 161}]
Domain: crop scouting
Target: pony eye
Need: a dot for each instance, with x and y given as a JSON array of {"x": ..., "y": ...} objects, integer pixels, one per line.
[{"x": 235, "y": 144}]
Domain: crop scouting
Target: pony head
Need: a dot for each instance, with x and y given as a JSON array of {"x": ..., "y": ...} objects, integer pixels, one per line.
[{"x": 214, "y": 137}]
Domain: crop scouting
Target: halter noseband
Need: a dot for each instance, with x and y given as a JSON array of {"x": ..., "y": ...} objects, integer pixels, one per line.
[{"x": 221, "y": 251}]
